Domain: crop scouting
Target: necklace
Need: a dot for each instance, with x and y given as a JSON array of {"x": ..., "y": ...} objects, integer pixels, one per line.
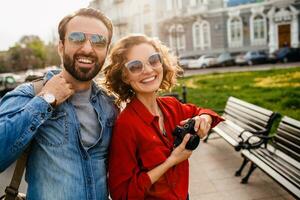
[{"x": 161, "y": 123}]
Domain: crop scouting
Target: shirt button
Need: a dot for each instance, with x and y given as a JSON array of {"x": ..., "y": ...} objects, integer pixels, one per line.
[
  {"x": 85, "y": 157},
  {"x": 89, "y": 180},
  {"x": 94, "y": 100},
  {"x": 32, "y": 128},
  {"x": 49, "y": 109}
]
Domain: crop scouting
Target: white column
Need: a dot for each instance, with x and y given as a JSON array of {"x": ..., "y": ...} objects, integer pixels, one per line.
[
  {"x": 273, "y": 42},
  {"x": 294, "y": 28}
]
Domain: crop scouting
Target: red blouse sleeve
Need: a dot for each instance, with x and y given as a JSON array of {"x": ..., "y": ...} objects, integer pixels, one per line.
[
  {"x": 190, "y": 110},
  {"x": 126, "y": 180}
]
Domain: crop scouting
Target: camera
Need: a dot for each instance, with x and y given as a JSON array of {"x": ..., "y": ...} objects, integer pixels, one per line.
[{"x": 180, "y": 131}]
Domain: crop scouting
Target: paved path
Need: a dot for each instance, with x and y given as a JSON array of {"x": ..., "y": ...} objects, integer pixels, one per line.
[{"x": 212, "y": 168}]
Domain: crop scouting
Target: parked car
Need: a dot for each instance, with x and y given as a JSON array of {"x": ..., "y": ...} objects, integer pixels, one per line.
[
  {"x": 7, "y": 83},
  {"x": 184, "y": 61},
  {"x": 225, "y": 59},
  {"x": 203, "y": 62},
  {"x": 287, "y": 54},
  {"x": 240, "y": 59},
  {"x": 251, "y": 58}
]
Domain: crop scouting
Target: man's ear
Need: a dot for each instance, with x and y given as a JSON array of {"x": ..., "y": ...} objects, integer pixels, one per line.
[{"x": 60, "y": 50}]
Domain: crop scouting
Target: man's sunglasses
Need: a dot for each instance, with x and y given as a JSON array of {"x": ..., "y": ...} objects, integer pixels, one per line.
[
  {"x": 137, "y": 66},
  {"x": 96, "y": 40}
]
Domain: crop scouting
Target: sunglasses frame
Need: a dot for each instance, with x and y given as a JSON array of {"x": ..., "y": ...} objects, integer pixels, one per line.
[
  {"x": 143, "y": 64},
  {"x": 88, "y": 36}
]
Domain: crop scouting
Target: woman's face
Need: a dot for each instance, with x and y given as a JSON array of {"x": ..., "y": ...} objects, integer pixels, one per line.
[{"x": 144, "y": 69}]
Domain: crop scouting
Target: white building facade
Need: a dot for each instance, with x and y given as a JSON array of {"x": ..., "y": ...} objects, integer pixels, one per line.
[{"x": 197, "y": 27}]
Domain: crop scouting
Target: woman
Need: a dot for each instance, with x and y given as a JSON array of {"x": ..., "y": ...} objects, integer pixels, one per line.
[{"x": 143, "y": 163}]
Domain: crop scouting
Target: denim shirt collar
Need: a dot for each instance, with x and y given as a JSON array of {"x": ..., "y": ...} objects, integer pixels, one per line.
[{"x": 95, "y": 88}]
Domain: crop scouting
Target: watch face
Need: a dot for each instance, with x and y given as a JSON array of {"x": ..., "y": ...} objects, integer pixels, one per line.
[{"x": 50, "y": 98}]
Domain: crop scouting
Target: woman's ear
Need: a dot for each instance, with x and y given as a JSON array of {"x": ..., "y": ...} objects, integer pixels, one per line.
[{"x": 125, "y": 79}]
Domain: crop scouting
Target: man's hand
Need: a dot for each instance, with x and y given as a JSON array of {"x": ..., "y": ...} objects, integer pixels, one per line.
[
  {"x": 59, "y": 87},
  {"x": 202, "y": 124}
]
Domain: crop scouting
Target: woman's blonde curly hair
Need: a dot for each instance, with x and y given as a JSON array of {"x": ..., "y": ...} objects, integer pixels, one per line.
[{"x": 115, "y": 72}]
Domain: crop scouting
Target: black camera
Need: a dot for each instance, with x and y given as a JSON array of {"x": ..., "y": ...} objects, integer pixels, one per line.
[{"x": 181, "y": 131}]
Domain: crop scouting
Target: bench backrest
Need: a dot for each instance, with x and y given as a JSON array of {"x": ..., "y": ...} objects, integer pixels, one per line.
[
  {"x": 287, "y": 138},
  {"x": 249, "y": 116}
]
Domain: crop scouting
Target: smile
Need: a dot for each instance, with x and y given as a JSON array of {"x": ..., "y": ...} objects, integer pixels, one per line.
[
  {"x": 85, "y": 60},
  {"x": 147, "y": 80}
]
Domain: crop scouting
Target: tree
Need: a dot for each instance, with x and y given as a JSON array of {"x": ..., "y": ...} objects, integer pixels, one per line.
[{"x": 28, "y": 53}]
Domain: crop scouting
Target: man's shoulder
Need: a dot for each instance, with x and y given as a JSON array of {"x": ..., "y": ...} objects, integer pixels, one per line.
[{"x": 25, "y": 89}]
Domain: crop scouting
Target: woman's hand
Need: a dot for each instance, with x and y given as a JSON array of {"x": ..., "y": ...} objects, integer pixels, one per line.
[
  {"x": 180, "y": 153},
  {"x": 202, "y": 124}
]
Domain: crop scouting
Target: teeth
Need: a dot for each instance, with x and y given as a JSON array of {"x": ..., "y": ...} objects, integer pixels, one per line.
[
  {"x": 148, "y": 79},
  {"x": 85, "y": 60}
]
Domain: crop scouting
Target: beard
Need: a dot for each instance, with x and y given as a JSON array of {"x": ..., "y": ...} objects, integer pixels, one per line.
[{"x": 80, "y": 73}]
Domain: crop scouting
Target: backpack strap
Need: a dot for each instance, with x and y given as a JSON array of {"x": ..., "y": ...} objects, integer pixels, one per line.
[{"x": 12, "y": 190}]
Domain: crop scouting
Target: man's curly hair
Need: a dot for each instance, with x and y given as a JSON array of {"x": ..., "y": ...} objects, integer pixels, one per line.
[{"x": 115, "y": 72}]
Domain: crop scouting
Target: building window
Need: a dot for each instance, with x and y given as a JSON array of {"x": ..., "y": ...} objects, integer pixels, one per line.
[
  {"x": 174, "y": 4},
  {"x": 258, "y": 30},
  {"x": 177, "y": 38},
  {"x": 235, "y": 32},
  {"x": 206, "y": 34},
  {"x": 201, "y": 35},
  {"x": 148, "y": 30},
  {"x": 197, "y": 3},
  {"x": 196, "y": 35},
  {"x": 147, "y": 8}
]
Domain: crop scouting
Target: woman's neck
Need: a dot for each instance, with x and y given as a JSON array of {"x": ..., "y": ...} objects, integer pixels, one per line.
[{"x": 149, "y": 100}]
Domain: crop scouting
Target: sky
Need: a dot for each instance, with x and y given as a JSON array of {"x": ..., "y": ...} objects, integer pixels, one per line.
[{"x": 33, "y": 17}]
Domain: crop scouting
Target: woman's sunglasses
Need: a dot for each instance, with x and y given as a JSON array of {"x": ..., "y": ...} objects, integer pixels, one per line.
[
  {"x": 79, "y": 38},
  {"x": 137, "y": 66}
]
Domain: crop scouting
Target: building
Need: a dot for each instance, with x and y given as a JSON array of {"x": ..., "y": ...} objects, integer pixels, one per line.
[
  {"x": 130, "y": 16},
  {"x": 197, "y": 27}
]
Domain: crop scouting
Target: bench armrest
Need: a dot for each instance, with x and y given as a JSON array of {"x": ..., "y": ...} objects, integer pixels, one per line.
[{"x": 262, "y": 139}]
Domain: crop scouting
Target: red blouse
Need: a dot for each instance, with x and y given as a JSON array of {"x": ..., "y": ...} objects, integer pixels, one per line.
[{"x": 138, "y": 146}]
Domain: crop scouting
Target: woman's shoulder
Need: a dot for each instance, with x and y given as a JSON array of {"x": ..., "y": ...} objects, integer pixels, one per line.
[{"x": 170, "y": 101}]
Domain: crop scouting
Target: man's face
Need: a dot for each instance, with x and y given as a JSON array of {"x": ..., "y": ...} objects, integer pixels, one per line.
[{"x": 84, "y": 59}]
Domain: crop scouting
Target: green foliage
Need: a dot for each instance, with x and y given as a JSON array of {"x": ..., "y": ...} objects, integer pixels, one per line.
[
  {"x": 29, "y": 53},
  {"x": 277, "y": 90}
]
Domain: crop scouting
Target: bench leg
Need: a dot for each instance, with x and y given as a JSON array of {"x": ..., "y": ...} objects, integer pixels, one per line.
[
  {"x": 239, "y": 171},
  {"x": 251, "y": 169}
]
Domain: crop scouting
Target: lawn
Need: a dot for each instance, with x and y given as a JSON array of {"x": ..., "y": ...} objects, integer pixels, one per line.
[{"x": 277, "y": 90}]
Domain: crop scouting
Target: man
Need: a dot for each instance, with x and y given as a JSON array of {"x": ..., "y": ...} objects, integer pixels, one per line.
[{"x": 68, "y": 123}]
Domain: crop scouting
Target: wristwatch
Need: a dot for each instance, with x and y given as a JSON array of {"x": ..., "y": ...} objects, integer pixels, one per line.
[{"x": 49, "y": 98}]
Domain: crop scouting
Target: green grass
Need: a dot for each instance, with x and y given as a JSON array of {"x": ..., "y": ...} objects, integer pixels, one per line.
[{"x": 277, "y": 90}]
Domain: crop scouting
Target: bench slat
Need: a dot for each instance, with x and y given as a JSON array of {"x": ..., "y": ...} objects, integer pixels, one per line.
[
  {"x": 288, "y": 143},
  {"x": 248, "y": 113},
  {"x": 254, "y": 107},
  {"x": 280, "y": 165},
  {"x": 273, "y": 174},
  {"x": 291, "y": 121},
  {"x": 244, "y": 123}
]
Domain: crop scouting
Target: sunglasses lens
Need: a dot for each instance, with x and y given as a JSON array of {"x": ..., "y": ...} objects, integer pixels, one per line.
[
  {"x": 77, "y": 37},
  {"x": 154, "y": 60},
  {"x": 135, "y": 66},
  {"x": 98, "y": 40}
]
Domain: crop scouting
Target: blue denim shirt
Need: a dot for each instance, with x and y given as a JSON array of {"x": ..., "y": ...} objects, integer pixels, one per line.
[{"x": 58, "y": 166}]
